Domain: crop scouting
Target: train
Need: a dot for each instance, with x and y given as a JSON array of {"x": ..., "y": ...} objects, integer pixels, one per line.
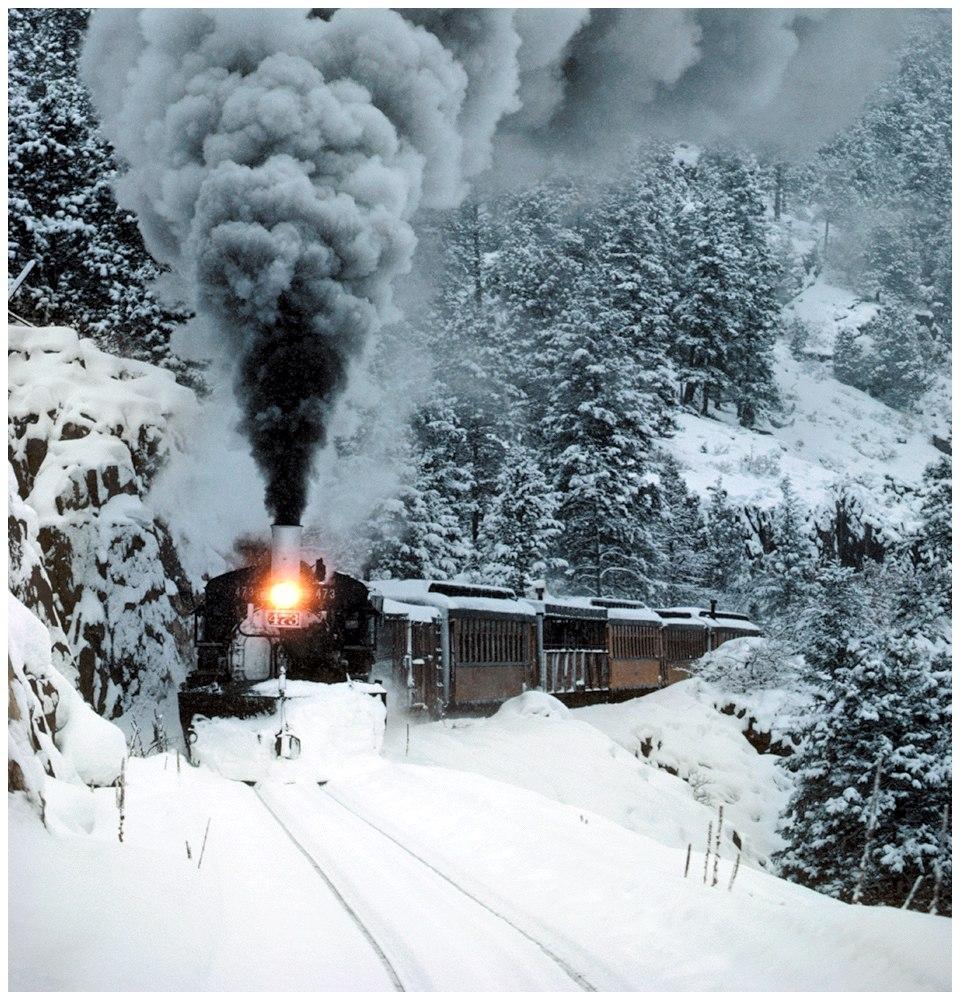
[{"x": 437, "y": 646}]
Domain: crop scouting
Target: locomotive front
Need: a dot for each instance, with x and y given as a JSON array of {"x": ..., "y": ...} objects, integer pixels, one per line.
[{"x": 272, "y": 622}]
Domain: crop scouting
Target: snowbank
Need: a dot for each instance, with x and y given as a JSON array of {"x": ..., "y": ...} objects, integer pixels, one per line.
[
  {"x": 334, "y": 722},
  {"x": 536, "y": 743},
  {"x": 52, "y": 731},
  {"x": 682, "y": 730},
  {"x": 532, "y": 703}
]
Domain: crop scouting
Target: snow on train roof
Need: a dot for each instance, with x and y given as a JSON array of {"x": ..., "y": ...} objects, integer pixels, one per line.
[
  {"x": 550, "y": 604},
  {"x": 465, "y": 597},
  {"x": 701, "y": 616},
  {"x": 595, "y": 607},
  {"x": 415, "y": 612},
  {"x": 638, "y": 614}
]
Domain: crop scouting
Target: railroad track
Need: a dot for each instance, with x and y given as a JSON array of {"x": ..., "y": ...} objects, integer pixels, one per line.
[{"x": 428, "y": 931}]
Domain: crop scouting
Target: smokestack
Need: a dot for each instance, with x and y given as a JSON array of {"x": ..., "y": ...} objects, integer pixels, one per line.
[{"x": 285, "y": 551}]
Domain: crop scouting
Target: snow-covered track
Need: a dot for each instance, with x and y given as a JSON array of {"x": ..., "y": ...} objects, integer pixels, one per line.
[
  {"x": 354, "y": 916},
  {"x": 577, "y": 977},
  {"x": 432, "y": 933}
]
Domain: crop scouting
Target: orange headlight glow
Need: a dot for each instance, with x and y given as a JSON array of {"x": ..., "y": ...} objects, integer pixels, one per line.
[{"x": 285, "y": 595}]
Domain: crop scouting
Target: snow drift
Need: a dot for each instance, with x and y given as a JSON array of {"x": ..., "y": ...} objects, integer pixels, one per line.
[
  {"x": 334, "y": 722},
  {"x": 52, "y": 733}
]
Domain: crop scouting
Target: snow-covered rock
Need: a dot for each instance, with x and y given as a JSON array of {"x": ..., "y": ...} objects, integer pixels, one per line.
[
  {"x": 87, "y": 433},
  {"x": 51, "y": 733}
]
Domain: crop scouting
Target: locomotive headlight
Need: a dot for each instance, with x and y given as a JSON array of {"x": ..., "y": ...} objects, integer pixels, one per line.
[{"x": 285, "y": 595}]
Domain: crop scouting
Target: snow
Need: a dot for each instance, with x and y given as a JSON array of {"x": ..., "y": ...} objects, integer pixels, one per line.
[
  {"x": 86, "y": 748},
  {"x": 494, "y": 839},
  {"x": 419, "y": 592},
  {"x": 831, "y": 434},
  {"x": 825, "y": 309},
  {"x": 334, "y": 723},
  {"x": 88, "y": 432},
  {"x": 414, "y": 612},
  {"x": 701, "y": 616}
]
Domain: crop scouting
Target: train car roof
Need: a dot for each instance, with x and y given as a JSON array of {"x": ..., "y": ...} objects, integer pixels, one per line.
[
  {"x": 415, "y": 612},
  {"x": 454, "y": 597},
  {"x": 634, "y": 614},
  {"x": 623, "y": 609},
  {"x": 566, "y": 607},
  {"x": 703, "y": 617}
]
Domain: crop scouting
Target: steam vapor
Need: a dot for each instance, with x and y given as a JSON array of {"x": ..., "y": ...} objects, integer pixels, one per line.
[{"x": 275, "y": 160}]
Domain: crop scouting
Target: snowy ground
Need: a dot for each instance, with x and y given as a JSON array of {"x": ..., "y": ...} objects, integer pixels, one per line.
[
  {"x": 829, "y": 433},
  {"x": 533, "y": 850}
]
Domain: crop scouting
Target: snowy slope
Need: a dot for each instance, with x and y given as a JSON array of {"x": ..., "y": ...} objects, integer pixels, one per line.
[
  {"x": 829, "y": 434},
  {"x": 826, "y": 309}
]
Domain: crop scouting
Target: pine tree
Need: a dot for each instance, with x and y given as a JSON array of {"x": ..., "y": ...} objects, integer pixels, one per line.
[
  {"x": 785, "y": 577},
  {"x": 520, "y": 530},
  {"x": 724, "y": 544},
  {"x": 420, "y": 533},
  {"x": 598, "y": 442},
  {"x": 883, "y": 707},
  {"x": 634, "y": 238},
  {"x": 935, "y": 536},
  {"x": 465, "y": 341},
  {"x": 93, "y": 272},
  {"x": 681, "y": 533},
  {"x": 706, "y": 318},
  {"x": 749, "y": 360}
]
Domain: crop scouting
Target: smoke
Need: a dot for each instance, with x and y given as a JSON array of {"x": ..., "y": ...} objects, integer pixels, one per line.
[
  {"x": 780, "y": 79},
  {"x": 276, "y": 161}
]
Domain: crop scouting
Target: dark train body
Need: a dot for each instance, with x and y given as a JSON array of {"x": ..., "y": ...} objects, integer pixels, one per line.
[{"x": 438, "y": 646}]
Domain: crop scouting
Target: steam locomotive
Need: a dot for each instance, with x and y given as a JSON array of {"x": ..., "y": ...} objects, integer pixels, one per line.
[{"x": 437, "y": 645}]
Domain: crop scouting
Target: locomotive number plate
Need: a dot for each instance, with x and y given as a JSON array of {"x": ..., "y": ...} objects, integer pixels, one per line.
[{"x": 283, "y": 619}]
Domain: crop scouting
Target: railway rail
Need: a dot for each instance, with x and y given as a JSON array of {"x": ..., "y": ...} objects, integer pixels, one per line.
[{"x": 426, "y": 929}]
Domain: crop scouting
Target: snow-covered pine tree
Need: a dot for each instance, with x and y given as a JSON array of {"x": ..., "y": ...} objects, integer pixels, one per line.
[
  {"x": 420, "y": 533},
  {"x": 633, "y": 235},
  {"x": 889, "y": 357},
  {"x": 884, "y": 702},
  {"x": 680, "y": 532},
  {"x": 706, "y": 318},
  {"x": 93, "y": 272},
  {"x": 724, "y": 544},
  {"x": 934, "y": 540},
  {"x": 749, "y": 361},
  {"x": 535, "y": 270},
  {"x": 463, "y": 337},
  {"x": 599, "y": 439},
  {"x": 520, "y": 528},
  {"x": 783, "y": 580}
]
